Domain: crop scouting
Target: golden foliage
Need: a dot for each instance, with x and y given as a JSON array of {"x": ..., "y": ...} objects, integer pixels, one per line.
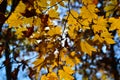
[
  {"x": 89, "y": 12},
  {"x": 80, "y": 30},
  {"x": 85, "y": 47}
]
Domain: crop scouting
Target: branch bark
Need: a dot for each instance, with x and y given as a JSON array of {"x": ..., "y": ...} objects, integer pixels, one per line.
[
  {"x": 3, "y": 7},
  {"x": 8, "y": 63}
]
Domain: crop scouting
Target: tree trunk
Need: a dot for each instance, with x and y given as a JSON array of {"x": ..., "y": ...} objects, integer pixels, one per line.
[
  {"x": 7, "y": 62},
  {"x": 114, "y": 64}
]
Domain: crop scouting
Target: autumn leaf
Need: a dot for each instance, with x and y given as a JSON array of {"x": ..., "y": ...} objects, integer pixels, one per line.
[
  {"x": 63, "y": 53},
  {"x": 109, "y": 41},
  {"x": 87, "y": 48},
  {"x": 72, "y": 32},
  {"x": 115, "y": 25},
  {"x": 38, "y": 63},
  {"x": 19, "y": 32},
  {"x": 98, "y": 27},
  {"x": 89, "y": 12},
  {"x": 72, "y": 53},
  {"x": 68, "y": 70},
  {"x": 53, "y": 14},
  {"x": 27, "y": 21},
  {"x": 60, "y": 39},
  {"x": 107, "y": 37},
  {"x": 74, "y": 13},
  {"x": 54, "y": 31},
  {"x": 69, "y": 61},
  {"x": 65, "y": 76},
  {"x": 20, "y": 8},
  {"x": 97, "y": 37},
  {"x": 52, "y": 76},
  {"x": 104, "y": 36},
  {"x": 111, "y": 7},
  {"x": 42, "y": 3},
  {"x": 87, "y": 2},
  {"x": 77, "y": 60},
  {"x": 14, "y": 20},
  {"x": 53, "y": 2},
  {"x": 44, "y": 77}
]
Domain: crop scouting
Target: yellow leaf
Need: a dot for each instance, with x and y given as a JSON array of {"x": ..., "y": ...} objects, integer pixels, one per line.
[
  {"x": 53, "y": 2},
  {"x": 38, "y": 11},
  {"x": 89, "y": 12},
  {"x": 101, "y": 20},
  {"x": 50, "y": 45},
  {"x": 115, "y": 24},
  {"x": 53, "y": 14},
  {"x": 68, "y": 70},
  {"x": 65, "y": 76},
  {"x": 72, "y": 32},
  {"x": 73, "y": 23},
  {"x": 111, "y": 7},
  {"x": 109, "y": 41},
  {"x": 97, "y": 37},
  {"x": 85, "y": 47},
  {"x": 27, "y": 21},
  {"x": 69, "y": 61},
  {"x": 54, "y": 64},
  {"x": 52, "y": 76},
  {"x": 42, "y": 3},
  {"x": 106, "y": 35},
  {"x": 44, "y": 77},
  {"x": 14, "y": 20},
  {"x": 19, "y": 32},
  {"x": 20, "y": 8},
  {"x": 54, "y": 31},
  {"x": 85, "y": 22},
  {"x": 77, "y": 61},
  {"x": 62, "y": 53},
  {"x": 75, "y": 13},
  {"x": 38, "y": 63},
  {"x": 36, "y": 35},
  {"x": 72, "y": 53},
  {"x": 87, "y": 2},
  {"x": 98, "y": 27}
]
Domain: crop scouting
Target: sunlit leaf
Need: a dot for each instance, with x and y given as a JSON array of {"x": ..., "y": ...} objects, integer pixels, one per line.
[
  {"x": 14, "y": 20},
  {"x": 87, "y": 2},
  {"x": 68, "y": 70},
  {"x": 54, "y": 31},
  {"x": 52, "y": 76},
  {"x": 53, "y": 13},
  {"x": 64, "y": 76},
  {"x": 89, "y": 12},
  {"x": 85, "y": 47}
]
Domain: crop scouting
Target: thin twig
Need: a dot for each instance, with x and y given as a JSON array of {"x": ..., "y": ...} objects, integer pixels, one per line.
[
  {"x": 2, "y": 66},
  {"x": 67, "y": 17}
]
